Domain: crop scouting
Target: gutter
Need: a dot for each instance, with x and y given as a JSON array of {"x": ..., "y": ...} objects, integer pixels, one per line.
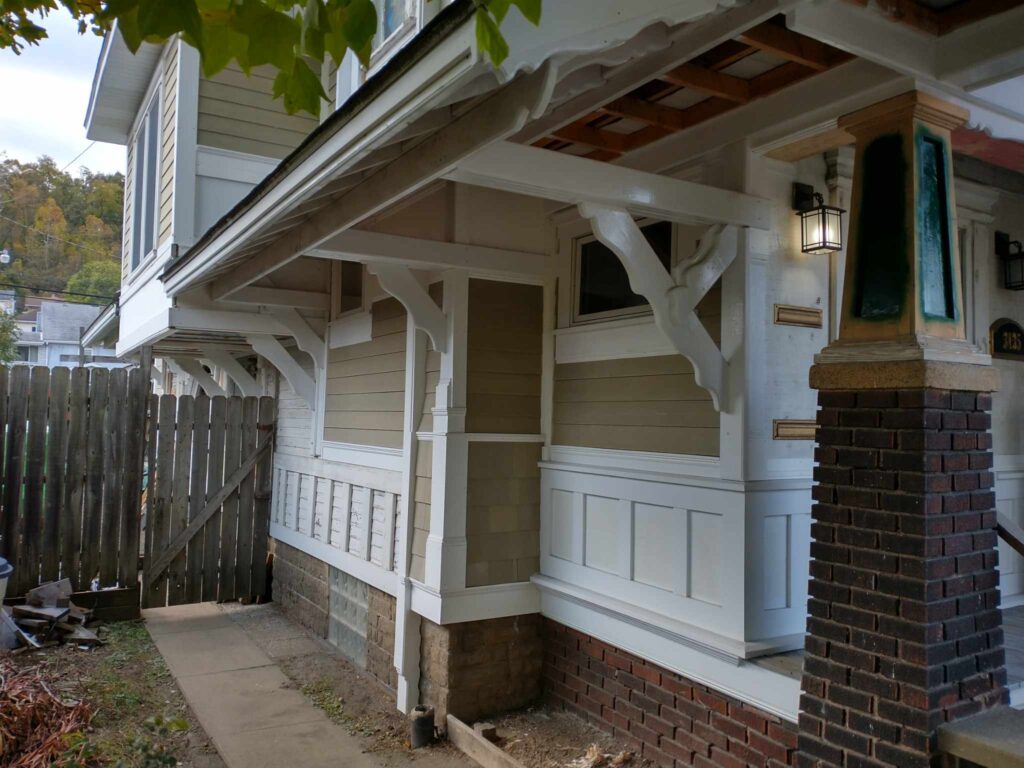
[{"x": 436, "y": 30}]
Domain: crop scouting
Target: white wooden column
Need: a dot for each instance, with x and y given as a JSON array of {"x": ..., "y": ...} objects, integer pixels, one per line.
[
  {"x": 839, "y": 177},
  {"x": 446, "y": 543}
]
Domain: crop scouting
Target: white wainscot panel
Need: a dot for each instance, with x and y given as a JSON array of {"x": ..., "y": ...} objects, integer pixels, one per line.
[
  {"x": 722, "y": 563},
  {"x": 1009, "y": 477},
  {"x": 335, "y": 513}
]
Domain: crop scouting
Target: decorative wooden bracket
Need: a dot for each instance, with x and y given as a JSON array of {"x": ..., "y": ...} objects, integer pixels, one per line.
[
  {"x": 270, "y": 348},
  {"x": 673, "y": 297},
  {"x": 425, "y": 314},
  {"x": 308, "y": 340},
  {"x": 190, "y": 367},
  {"x": 227, "y": 362}
]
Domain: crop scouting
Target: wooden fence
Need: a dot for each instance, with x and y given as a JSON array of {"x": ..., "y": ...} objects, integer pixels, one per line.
[
  {"x": 71, "y": 455},
  {"x": 208, "y": 500}
]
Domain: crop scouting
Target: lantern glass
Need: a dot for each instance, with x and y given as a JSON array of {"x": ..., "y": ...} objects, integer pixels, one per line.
[
  {"x": 1013, "y": 270},
  {"x": 821, "y": 229}
]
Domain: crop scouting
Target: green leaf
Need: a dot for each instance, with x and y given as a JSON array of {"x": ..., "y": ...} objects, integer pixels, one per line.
[
  {"x": 301, "y": 89},
  {"x": 272, "y": 35},
  {"x": 127, "y": 24},
  {"x": 489, "y": 38},
  {"x": 313, "y": 22},
  {"x": 499, "y": 9},
  {"x": 359, "y": 25},
  {"x": 530, "y": 9},
  {"x": 158, "y": 19}
]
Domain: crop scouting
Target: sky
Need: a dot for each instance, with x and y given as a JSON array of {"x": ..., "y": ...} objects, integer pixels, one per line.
[{"x": 44, "y": 93}]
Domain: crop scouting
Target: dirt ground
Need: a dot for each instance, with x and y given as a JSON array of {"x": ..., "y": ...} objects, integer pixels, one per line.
[
  {"x": 541, "y": 737},
  {"x": 127, "y": 682},
  {"x": 538, "y": 737},
  {"x": 346, "y": 693}
]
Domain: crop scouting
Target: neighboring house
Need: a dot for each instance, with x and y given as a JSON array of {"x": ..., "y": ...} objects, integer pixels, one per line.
[
  {"x": 541, "y": 340},
  {"x": 50, "y": 331},
  {"x": 8, "y": 301}
]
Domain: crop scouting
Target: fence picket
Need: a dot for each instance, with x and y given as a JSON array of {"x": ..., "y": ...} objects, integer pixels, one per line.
[
  {"x": 197, "y": 497},
  {"x": 92, "y": 512},
  {"x": 17, "y": 413},
  {"x": 155, "y": 593},
  {"x": 27, "y": 575},
  {"x": 113, "y": 466},
  {"x": 214, "y": 480},
  {"x": 246, "y": 495},
  {"x": 229, "y": 512},
  {"x": 131, "y": 485},
  {"x": 56, "y": 450},
  {"x": 261, "y": 506},
  {"x": 74, "y": 479}
]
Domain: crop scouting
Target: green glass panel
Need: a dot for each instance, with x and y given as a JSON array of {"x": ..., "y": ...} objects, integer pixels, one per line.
[
  {"x": 881, "y": 260},
  {"x": 934, "y": 252}
]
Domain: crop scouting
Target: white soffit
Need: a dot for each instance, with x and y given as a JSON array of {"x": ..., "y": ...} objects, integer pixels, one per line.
[{"x": 118, "y": 87}]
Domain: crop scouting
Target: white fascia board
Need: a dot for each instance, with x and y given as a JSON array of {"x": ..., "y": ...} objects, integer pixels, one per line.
[
  {"x": 984, "y": 52},
  {"x": 98, "y": 330},
  {"x": 119, "y": 83},
  {"x": 451, "y": 63},
  {"x": 146, "y": 334},
  {"x": 565, "y": 178},
  {"x": 418, "y": 253},
  {"x": 218, "y": 321}
]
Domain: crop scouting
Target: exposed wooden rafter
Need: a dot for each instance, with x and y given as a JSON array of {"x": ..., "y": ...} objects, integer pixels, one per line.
[{"x": 803, "y": 57}]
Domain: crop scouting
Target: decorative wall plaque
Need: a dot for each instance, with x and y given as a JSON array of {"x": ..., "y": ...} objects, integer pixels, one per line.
[
  {"x": 805, "y": 317},
  {"x": 793, "y": 429},
  {"x": 1006, "y": 340}
]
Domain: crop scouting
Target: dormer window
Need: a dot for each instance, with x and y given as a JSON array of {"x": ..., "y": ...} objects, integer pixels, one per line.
[{"x": 145, "y": 183}]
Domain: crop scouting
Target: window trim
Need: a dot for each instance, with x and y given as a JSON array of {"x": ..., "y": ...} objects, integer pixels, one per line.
[
  {"x": 144, "y": 181},
  {"x": 575, "y": 284}
]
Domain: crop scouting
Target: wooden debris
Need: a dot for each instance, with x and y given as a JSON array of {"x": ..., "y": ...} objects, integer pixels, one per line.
[
  {"x": 52, "y": 594},
  {"x": 487, "y": 730},
  {"x": 45, "y": 614}
]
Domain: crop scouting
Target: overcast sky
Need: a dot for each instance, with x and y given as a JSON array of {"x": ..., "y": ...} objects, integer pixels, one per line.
[{"x": 44, "y": 93}]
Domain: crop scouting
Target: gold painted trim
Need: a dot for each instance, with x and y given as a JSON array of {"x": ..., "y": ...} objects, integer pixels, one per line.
[
  {"x": 804, "y": 317},
  {"x": 793, "y": 429}
]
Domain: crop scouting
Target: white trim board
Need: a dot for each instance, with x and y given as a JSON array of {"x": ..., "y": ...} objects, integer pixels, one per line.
[
  {"x": 364, "y": 570},
  {"x": 475, "y": 603},
  {"x": 369, "y": 456},
  {"x": 231, "y": 165},
  {"x": 384, "y": 480},
  {"x": 768, "y": 690},
  {"x": 612, "y": 340}
]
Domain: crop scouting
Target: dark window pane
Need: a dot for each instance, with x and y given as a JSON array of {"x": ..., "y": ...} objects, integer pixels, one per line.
[{"x": 604, "y": 286}]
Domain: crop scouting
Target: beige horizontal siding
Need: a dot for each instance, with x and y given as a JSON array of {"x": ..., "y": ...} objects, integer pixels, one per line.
[
  {"x": 639, "y": 404},
  {"x": 504, "y": 357},
  {"x": 503, "y": 513},
  {"x": 421, "y": 511},
  {"x": 168, "y": 125},
  {"x": 239, "y": 113},
  {"x": 365, "y": 396}
]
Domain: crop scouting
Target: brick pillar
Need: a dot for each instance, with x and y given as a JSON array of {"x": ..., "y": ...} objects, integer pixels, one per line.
[{"x": 904, "y": 631}]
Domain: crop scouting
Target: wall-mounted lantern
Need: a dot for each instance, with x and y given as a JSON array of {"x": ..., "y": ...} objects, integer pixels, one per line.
[
  {"x": 1012, "y": 255},
  {"x": 821, "y": 226}
]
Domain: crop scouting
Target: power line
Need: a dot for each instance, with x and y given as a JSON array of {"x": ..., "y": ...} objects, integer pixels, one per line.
[
  {"x": 47, "y": 234},
  {"x": 43, "y": 289},
  {"x": 91, "y": 145}
]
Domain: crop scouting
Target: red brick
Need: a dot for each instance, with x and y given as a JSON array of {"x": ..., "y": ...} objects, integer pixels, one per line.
[{"x": 712, "y": 701}]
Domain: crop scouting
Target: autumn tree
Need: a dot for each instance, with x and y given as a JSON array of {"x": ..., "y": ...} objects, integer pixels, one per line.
[{"x": 94, "y": 282}]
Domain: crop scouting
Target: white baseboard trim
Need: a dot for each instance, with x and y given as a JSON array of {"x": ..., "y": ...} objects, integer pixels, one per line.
[
  {"x": 757, "y": 685},
  {"x": 365, "y": 571},
  {"x": 475, "y": 603}
]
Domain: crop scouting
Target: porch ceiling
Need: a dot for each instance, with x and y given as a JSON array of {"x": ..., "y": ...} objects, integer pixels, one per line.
[
  {"x": 937, "y": 17},
  {"x": 761, "y": 61}
]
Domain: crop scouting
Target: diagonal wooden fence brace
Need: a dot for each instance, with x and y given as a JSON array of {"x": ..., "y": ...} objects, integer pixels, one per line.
[{"x": 178, "y": 543}]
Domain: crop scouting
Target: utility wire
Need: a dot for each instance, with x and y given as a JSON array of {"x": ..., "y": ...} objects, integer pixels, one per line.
[
  {"x": 91, "y": 145},
  {"x": 47, "y": 234},
  {"x": 43, "y": 289}
]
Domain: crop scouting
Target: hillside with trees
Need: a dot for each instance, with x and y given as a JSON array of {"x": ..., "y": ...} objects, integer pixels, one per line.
[{"x": 62, "y": 232}]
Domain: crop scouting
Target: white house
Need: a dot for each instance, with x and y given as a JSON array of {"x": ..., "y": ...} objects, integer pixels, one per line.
[
  {"x": 50, "y": 333},
  {"x": 541, "y": 338}
]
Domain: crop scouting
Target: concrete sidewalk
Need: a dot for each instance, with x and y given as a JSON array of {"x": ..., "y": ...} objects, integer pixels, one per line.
[{"x": 251, "y": 711}]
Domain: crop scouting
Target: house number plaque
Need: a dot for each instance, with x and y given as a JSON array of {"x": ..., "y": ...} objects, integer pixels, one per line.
[{"x": 1007, "y": 340}]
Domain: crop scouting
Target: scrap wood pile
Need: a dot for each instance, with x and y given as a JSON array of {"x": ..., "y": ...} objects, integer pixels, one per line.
[
  {"x": 37, "y": 728},
  {"x": 48, "y": 617}
]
